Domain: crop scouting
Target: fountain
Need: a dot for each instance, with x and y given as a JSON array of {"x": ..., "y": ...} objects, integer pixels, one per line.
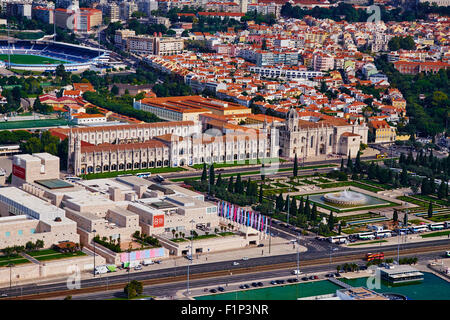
[{"x": 345, "y": 198}]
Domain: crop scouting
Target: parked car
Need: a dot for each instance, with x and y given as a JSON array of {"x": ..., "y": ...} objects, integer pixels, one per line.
[
  {"x": 305, "y": 278},
  {"x": 235, "y": 263},
  {"x": 280, "y": 281},
  {"x": 213, "y": 290},
  {"x": 254, "y": 284},
  {"x": 260, "y": 284},
  {"x": 273, "y": 282},
  {"x": 261, "y": 245},
  {"x": 221, "y": 289},
  {"x": 245, "y": 258},
  {"x": 138, "y": 267}
]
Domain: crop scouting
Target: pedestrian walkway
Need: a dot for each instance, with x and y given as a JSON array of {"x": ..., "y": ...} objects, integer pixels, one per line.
[
  {"x": 30, "y": 258},
  {"x": 340, "y": 283}
]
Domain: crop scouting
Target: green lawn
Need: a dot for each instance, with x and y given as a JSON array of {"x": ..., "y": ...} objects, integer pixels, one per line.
[
  {"x": 440, "y": 218},
  {"x": 240, "y": 163},
  {"x": 117, "y": 173},
  {"x": 30, "y": 59},
  {"x": 14, "y": 259},
  {"x": 32, "y": 124},
  {"x": 58, "y": 255},
  {"x": 370, "y": 242},
  {"x": 436, "y": 234},
  {"x": 178, "y": 240},
  {"x": 349, "y": 184},
  {"x": 42, "y": 252}
]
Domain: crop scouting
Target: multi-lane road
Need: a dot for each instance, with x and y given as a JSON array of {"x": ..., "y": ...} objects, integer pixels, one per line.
[{"x": 316, "y": 258}]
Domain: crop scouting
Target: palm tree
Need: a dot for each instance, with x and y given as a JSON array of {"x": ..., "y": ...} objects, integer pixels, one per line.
[
  {"x": 173, "y": 232},
  {"x": 338, "y": 268},
  {"x": 176, "y": 235}
]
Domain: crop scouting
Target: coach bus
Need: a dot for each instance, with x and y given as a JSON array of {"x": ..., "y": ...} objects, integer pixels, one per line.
[
  {"x": 143, "y": 174},
  {"x": 436, "y": 226},
  {"x": 366, "y": 236},
  {"x": 417, "y": 229},
  {"x": 338, "y": 239},
  {"x": 374, "y": 256},
  {"x": 383, "y": 234}
]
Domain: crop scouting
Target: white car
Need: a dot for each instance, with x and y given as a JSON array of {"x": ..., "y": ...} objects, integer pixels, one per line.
[
  {"x": 138, "y": 267},
  {"x": 235, "y": 263},
  {"x": 245, "y": 258}
]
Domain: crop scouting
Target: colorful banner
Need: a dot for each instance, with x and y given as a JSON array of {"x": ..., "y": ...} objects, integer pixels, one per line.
[{"x": 248, "y": 218}]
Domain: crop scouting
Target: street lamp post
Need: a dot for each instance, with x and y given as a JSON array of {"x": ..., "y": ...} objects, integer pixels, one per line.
[
  {"x": 94, "y": 231},
  {"x": 191, "y": 257},
  {"x": 298, "y": 254},
  {"x": 270, "y": 232},
  {"x": 10, "y": 265}
]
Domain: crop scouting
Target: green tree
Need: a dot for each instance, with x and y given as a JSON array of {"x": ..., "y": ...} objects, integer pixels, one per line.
[
  {"x": 430, "y": 210},
  {"x": 260, "y": 199},
  {"x": 331, "y": 221},
  {"x": 295, "y": 171},
  {"x": 279, "y": 202},
  {"x": 231, "y": 184},
  {"x": 442, "y": 190},
  {"x": 211, "y": 175},
  {"x": 301, "y": 209},
  {"x": 204, "y": 173},
  {"x": 219, "y": 180},
  {"x": 314, "y": 213},
  {"x": 395, "y": 216}
]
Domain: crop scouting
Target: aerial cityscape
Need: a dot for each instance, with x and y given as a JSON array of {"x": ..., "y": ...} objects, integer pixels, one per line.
[{"x": 197, "y": 150}]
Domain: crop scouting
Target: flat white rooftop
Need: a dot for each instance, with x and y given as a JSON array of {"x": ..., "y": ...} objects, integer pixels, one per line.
[{"x": 29, "y": 204}]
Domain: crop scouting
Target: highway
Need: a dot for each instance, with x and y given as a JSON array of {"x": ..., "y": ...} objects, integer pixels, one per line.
[{"x": 317, "y": 255}]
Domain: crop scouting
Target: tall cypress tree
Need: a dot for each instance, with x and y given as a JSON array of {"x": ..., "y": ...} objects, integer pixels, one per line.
[
  {"x": 358, "y": 162},
  {"x": 219, "y": 180},
  {"x": 295, "y": 171},
  {"x": 314, "y": 213},
  {"x": 301, "y": 209},
  {"x": 441, "y": 191},
  {"x": 212, "y": 175},
  {"x": 279, "y": 202},
  {"x": 395, "y": 216},
  {"x": 404, "y": 177},
  {"x": 349, "y": 163},
  {"x": 331, "y": 221},
  {"x": 430, "y": 210},
  {"x": 204, "y": 173},
  {"x": 405, "y": 220},
  {"x": 342, "y": 164},
  {"x": 238, "y": 188},
  {"x": 287, "y": 203},
  {"x": 293, "y": 209},
  {"x": 307, "y": 209},
  {"x": 260, "y": 193},
  {"x": 231, "y": 184}
]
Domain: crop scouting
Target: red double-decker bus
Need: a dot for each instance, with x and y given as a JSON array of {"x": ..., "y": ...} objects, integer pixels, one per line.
[{"x": 374, "y": 256}]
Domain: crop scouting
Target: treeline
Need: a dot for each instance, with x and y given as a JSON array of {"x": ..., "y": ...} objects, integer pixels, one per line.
[
  {"x": 397, "y": 43},
  {"x": 21, "y": 23},
  {"x": 149, "y": 29},
  {"x": 346, "y": 12},
  {"x": 46, "y": 143},
  {"x": 428, "y": 115},
  {"x": 122, "y": 105}
]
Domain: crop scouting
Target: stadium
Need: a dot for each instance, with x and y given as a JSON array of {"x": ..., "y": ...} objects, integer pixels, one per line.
[{"x": 45, "y": 56}]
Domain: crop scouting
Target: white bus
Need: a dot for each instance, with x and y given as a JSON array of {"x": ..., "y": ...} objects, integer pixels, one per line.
[
  {"x": 436, "y": 226},
  {"x": 143, "y": 174},
  {"x": 366, "y": 235},
  {"x": 338, "y": 239},
  {"x": 383, "y": 234},
  {"x": 447, "y": 224},
  {"x": 417, "y": 229}
]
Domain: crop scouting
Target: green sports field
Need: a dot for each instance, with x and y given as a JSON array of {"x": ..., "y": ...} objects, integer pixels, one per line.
[{"x": 30, "y": 59}]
